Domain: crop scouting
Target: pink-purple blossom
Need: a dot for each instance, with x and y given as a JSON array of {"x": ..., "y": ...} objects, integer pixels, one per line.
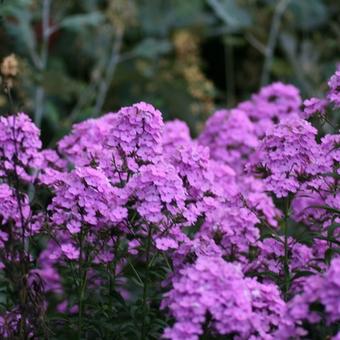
[{"x": 232, "y": 234}]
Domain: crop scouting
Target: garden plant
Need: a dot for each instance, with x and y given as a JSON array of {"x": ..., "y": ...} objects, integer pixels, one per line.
[
  {"x": 130, "y": 228},
  {"x": 169, "y": 169}
]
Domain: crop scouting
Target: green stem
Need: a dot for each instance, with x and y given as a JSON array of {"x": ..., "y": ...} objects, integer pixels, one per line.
[
  {"x": 112, "y": 273},
  {"x": 24, "y": 259},
  {"x": 81, "y": 303},
  {"x": 286, "y": 251},
  {"x": 82, "y": 284},
  {"x": 138, "y": 278},
  {"x": 145, "y": 288}
]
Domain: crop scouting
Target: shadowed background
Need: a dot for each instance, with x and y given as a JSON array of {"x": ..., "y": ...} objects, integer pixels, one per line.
[{"x": 80, "y": 58}]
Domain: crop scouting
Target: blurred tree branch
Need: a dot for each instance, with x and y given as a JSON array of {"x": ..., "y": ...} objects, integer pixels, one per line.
[
  {"x": 40, "y": 91},
  {"x": 272, "y": 40},
  {"x": 109, "y": 71}
]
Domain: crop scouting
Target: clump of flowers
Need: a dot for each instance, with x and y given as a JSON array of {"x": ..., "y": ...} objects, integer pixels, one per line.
[
  {"x": 288, "y": 156},
  {"x": 234, "y": 229},
  {"x": 334, "y": 91},
  {"x": 314, "y": 106},
  {"x": 212, "y": 296},
  {"x": 19, "y": 147},
  {"x": 131, "y": 228},
  {"x": 85, "y": 196},
  {"x": 159, "y": 190},
  {"x": 231, "y": 137},
  {"x": 272, "y": 104}
]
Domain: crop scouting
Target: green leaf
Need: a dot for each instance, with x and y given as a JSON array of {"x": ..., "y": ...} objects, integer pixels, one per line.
[
  {"x": 330, "y": 252},
  {"x": 160, "y": 17},
  {"x": 308, "y": 14},
  {"x": 78, "y": 21},
  {"x": 329, "y": 239},
  {"x": 302, "y": 273},
  {"x": 118, "y": 297},
  {"x": 231, "y": 13},
  {"x": 21, "y": 27},
  {"x": 331, "y": 229},
  {"x": 329, "y": 209},
  {"x": 152, "y": 48},
  {"x": 331, "y": 174},
  {"x": 270, "y": 274}
]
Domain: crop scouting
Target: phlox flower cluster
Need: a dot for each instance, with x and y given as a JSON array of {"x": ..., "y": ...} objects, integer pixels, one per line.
[
  {"x": 234, "y": 234},
  {"x": 272, "y": 104},
  {"x": 230, "y": 136},
  {"x": 334, "y": 92},
  {"x": 287, "y": 156},
  {"x": 19, "y": 147},
  {"x": 234, "y": 304}
]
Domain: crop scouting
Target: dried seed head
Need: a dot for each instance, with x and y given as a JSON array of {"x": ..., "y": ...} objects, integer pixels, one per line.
[
  {"x": 122, "y": 13},
  {"x": 10, "y": 66}
]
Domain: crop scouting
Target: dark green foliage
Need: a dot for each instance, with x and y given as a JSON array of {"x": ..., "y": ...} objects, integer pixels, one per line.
[{"x": 142, "y": 39}]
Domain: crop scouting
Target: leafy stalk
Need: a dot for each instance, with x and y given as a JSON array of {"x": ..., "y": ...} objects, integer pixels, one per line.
[
  {"x": 23, "y": 293},
  {"x": 286, "y": 250},
  {"x": 112, "y": 273},
  {"x": 82, "y": 284},
  {"x": 145, "y": 288}
]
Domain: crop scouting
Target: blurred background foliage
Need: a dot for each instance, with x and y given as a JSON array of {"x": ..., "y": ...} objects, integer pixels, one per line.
[{"x": 80, "y": 58}]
